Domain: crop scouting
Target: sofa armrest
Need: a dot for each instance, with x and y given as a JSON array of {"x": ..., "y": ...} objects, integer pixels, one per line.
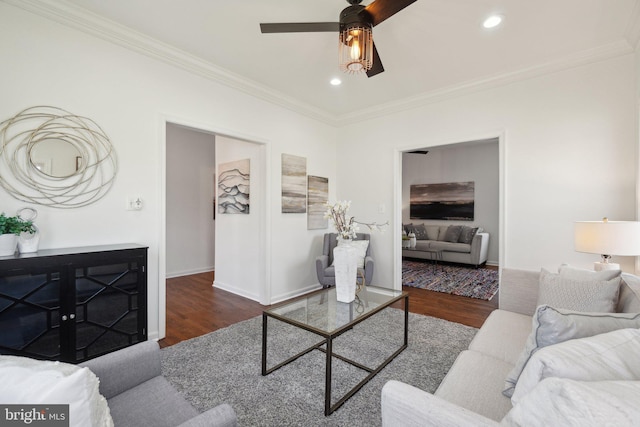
[
  {"x": 220, "y": 416},
  {"x": 368, "y": 269},
  {"x": 126, "y": 368},
  {"x": 479, "y": 248},
  {"x": 519, "y": 290},
  {"x": 322, "y": 262},
  {"x": 408, "y": 406}
]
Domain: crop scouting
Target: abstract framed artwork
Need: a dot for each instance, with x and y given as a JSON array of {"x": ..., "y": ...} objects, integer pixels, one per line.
[
  {"x": 453, "y": 201},
  {"x": 233, "y": 187},
  {"x": 294, "y": 184},
  {"x": 318, "y": 196}
]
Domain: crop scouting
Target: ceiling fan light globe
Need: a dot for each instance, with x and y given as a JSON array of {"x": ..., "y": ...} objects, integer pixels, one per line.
[
  {"x": 355, "y": 52},
  {"x": 355, "y": 67},
  {"x": 356, "y": 49}
]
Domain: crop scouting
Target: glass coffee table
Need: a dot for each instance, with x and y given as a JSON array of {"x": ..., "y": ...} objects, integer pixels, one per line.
[{"x": 320, "y": 313}]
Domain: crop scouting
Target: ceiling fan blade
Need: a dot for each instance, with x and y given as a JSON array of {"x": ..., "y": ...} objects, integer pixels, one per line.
[
  {"x": 376, "y": 67},
  {"x": 300, "y": 27},
  {"x": 383, "y": 9}
]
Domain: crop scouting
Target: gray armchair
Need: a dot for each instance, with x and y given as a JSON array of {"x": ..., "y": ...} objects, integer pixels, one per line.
[
  {"x": 138, "y": 394},
  {"x": 326, "y": 272}
]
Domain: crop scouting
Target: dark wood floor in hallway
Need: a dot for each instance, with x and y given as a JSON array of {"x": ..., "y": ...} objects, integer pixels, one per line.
[{"x": 195, "y": 307}]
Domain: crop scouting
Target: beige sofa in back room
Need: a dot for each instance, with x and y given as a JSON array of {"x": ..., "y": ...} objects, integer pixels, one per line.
[{"x": 458, "y": 243}]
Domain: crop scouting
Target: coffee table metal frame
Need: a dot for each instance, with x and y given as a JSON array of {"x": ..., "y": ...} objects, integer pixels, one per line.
[{"x": 327, "y": 341}]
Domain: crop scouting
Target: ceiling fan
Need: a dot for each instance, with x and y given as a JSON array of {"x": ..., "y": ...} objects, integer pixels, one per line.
[{"x": 357, "y": 50}]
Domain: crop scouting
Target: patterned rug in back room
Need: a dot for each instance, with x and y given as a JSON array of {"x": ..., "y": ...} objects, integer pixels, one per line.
[{"x": 480, "y": 283}]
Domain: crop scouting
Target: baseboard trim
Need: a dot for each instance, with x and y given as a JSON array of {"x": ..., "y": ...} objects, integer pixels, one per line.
[
  {"x": 296, "y": 293},
  {"x": 235, "y": 290},
  {"x": 189, "y": 272}
]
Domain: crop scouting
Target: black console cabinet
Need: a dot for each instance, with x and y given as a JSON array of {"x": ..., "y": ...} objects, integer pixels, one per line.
[{"x": 73, "y": 304}]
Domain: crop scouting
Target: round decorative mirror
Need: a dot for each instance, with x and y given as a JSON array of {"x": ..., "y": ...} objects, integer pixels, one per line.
[{"x": 55, "y": 158}]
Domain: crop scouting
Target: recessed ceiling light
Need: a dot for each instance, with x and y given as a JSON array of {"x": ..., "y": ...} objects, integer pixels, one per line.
[
  {"x": 492, "y": 21},
  {"x": 336, "y": 81}
]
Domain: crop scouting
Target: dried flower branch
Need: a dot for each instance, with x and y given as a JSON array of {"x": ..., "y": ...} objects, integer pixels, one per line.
[{"x": 345, "y": 225}]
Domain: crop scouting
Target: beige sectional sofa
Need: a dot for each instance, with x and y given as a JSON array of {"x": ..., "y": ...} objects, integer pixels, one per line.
[
  {"x": 472, "y": 391},
  {"x": 459, "y": 244}
]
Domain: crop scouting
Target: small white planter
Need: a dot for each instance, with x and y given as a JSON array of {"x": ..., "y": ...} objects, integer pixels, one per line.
[
  {"x": 8, "y": 243},
  {"x": 28, "y": 242}
]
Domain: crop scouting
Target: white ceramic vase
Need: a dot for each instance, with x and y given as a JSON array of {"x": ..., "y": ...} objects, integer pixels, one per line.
[
  {"x": 345, "y": 262},
  {"x": 8, "y": 243},
  {"x": 344, "y": 313},
  {"x": 412, "y": 240}
]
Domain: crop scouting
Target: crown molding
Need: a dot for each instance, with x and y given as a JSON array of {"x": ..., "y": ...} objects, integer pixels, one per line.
[
  {"x": 602, "y": 53},
  {"x": 80, "y": 19}
]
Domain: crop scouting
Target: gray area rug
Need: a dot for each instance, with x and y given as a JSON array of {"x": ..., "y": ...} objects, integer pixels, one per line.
[{"x": 225, "y": 366}]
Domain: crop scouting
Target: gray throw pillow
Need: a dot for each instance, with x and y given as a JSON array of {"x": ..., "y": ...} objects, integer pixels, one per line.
[
  {"x": 420, "y": 232},
  {"x": 467, "y": 234},
  {"x": 553, "y": 326},
  {"x": 580, "y": 295},
  {"x": 453, "y": 233},
  {"x": 432, "y": 232}
]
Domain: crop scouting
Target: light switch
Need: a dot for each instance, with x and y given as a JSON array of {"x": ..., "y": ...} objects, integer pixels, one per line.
[{"x": 134, "y": 203}]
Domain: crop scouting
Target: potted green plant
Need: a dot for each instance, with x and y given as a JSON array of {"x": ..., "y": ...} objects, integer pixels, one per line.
[{"x": 10, "y": 229}]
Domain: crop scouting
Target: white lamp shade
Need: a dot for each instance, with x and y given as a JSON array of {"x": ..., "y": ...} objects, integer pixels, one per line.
[{"x": 620, "y": 238}]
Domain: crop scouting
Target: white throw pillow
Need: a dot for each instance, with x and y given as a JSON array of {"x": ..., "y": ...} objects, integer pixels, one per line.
[
  {"x": 578, "y": 294},
  {"x": 35, "y": 382},
  {"x": 564, "y": 402},
  {"x": 552, "y": 326},
  {"x": 568, "y": 272},
  {"x": 609, "y": 356},
  {"x": 360, "y": 246}
]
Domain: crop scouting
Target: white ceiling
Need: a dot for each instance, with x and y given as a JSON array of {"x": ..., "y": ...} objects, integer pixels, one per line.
[{"x": 429, "y": 48}]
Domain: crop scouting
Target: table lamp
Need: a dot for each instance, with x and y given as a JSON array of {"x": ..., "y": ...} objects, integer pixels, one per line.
[{"x": 607, "y": 238}]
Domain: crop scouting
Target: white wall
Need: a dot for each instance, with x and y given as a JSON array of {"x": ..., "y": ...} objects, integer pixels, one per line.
[
  {"x": 569, "y": 147},
  {"x": 131, "y": 97},
  {"x": 240, "y": 236},
  {"x": 191, "y": 169},
  {"x": 477, "y": 162},
  {"x": 302, "y": 246}
]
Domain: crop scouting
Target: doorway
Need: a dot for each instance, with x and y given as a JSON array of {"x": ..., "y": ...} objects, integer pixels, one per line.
[
  {"x": 190, "y": 191},
  {"x": 237, "y": 270},
  {"x": 455, "y": 162}
]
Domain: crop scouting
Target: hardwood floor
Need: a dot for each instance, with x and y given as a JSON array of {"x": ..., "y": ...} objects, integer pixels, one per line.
[{"x": 195, "y": 307}]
